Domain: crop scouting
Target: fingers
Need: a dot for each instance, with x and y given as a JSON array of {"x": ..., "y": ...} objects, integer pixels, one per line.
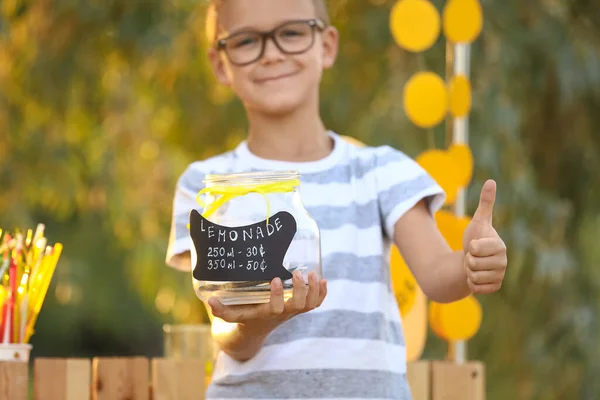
[
  {"x": 497, "y": 261},
  {"x": 487, "y": 199},
  {"x": 304, "y": 298},
  {"x": 276, "y": 303},
  {"x": 486, "y": 270},
  {"x": 298, "y": 300},
  {"x": 312, "y": 298},
  {"x": 226, "y": 313},
  {"x": 486, "y": 247},
  {"x": 322, "y": 292},
  {"x": 484, "y": 289},
  {"x": 485, "y": 277},
  {"x": 249, "y": 312}
]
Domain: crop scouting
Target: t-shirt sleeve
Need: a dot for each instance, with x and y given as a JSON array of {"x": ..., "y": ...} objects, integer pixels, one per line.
[
  {"x": 180, "y": 242},
  {"x": 401, "y": 184}
]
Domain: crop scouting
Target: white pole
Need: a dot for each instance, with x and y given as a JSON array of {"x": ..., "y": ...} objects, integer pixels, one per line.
[{"x": 460, "y": 135}]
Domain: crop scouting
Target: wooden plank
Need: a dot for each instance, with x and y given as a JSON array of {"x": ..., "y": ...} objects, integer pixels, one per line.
[
  {"x": 458, "y": 382},
  {"x": 182, "y": 379},
  {"x": 419, "y": 378},
  {"x": 14, "y": 380},
  {"x": 62, "y": 379},
  {"x": 115, "y": 378}
]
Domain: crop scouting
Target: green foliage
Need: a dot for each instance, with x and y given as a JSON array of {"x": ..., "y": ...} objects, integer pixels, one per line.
[{"x": 104, "y": 103}]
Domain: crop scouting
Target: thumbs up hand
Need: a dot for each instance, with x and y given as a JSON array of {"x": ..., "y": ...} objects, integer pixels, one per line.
[{"x": 485, "y": 252}]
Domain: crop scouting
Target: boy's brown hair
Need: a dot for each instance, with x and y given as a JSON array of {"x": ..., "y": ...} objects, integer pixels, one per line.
[{"x": 212, "y": 28}]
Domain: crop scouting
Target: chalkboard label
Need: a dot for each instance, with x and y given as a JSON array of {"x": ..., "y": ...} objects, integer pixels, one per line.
[{"x": 245, "y": 253}]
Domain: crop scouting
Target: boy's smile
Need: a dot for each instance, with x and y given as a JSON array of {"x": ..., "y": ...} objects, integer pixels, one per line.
[
  {"x": 275, "y": 78},
  {"x": 272, "y": 53}
]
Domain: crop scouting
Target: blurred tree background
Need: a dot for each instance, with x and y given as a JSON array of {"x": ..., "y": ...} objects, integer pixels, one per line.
[{"x": 104, "y": 103}]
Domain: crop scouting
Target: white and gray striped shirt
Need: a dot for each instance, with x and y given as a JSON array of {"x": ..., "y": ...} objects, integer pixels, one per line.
[{"x": 352, "y": 347}]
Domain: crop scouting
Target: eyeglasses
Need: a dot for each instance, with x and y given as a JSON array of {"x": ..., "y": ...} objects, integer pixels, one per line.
[{"x": 294, "y": 37}]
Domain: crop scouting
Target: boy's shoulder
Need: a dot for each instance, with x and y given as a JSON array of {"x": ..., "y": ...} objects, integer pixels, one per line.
[
  {"x": 373, "y": 156},
  {"x": 213, "y": 164},
  {"x": 193, "y": 176}
]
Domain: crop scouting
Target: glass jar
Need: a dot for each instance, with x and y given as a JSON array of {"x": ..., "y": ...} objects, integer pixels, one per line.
[{"x": 257, "y": 197}]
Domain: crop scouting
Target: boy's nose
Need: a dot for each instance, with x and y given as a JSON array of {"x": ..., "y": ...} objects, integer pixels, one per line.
[{"x": 272, "y": 54}]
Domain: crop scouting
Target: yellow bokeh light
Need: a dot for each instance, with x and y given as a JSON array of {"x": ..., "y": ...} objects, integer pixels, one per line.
[
  {"x": 460, "y": 320},
  {"x": 463, "y": 20},
  {"x": 460, "y": 96},
  {"x": 452, "y": 228},
  {"x": 415, "y": 24},
  {"x": 404, "y": 283},
  {"x": 442, "y": 168},
  {"x": 165, "y": 300},
  {"x": 463, "y": 159},
  {"x": 426, "y": 99}
]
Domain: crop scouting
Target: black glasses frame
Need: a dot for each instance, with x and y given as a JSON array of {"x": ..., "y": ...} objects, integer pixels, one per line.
[{"x": 315, "y": 24}]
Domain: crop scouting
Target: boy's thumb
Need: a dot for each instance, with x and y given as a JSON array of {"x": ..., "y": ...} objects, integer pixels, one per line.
[{"x": 487, "y": 199}]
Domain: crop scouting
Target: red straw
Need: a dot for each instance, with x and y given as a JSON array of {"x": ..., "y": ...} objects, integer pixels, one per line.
[{"x": 12, "y": 303}]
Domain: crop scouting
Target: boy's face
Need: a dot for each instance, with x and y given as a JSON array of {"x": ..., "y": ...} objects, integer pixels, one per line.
[{"x": 276, "y": 83}]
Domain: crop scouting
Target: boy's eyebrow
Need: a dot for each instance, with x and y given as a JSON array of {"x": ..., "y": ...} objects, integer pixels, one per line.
[
  {"x": 249, "y": 28},
  {"x": 244, "y": 28}
]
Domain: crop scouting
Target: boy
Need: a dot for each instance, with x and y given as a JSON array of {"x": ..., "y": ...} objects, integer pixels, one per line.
[{"x": 339, "y": 337}]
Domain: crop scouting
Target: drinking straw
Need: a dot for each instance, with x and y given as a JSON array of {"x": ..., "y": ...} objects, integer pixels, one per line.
[
  {"x": 12, "y": 322},
  {"x": 3, "y": 310},
  {"x": 41, "y": 287},
  {"x": 27, "y": 265}
]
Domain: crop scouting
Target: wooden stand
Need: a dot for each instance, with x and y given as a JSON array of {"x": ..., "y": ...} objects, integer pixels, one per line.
[
  {"x": 116, "y": 378},
  {"x": 443, "y": 380},
  {"x": 183, "y": 379},
  {"x": 62, "y": 378},
  {"x": 14, "y": 380},
  {"x": 178, "y": 379}
]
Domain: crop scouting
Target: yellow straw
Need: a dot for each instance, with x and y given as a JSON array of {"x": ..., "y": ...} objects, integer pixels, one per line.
[
  {"x": 40, "y": 287},
  {"x": 3, "y": 295}
]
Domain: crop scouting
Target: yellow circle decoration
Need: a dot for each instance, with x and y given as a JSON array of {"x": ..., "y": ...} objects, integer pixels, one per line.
[
  {"x": 460, "y": 96},
  {"x": 452, "y": 228},
  {"x": 404, "y": 283},
  {"x": 434, "y": 319},
  {"x": 463, "y": 159},
  {"x": 426, "y": 99},
  {"x": 440, "y": 165},
  {"x": 460, "y": 320},
  {"x": 463, "y": 20},
  {"x": 414, "y": 325},
  {"x": 415, "y": 24}
]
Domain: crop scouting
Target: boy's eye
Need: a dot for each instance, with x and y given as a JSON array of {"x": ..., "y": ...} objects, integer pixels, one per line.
[
  {"x": 291, "y": 33},
  {"x": 243, "y": 41}
]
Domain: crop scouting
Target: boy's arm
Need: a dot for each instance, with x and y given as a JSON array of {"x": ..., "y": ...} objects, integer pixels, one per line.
[{"x": 445, "y": 275}]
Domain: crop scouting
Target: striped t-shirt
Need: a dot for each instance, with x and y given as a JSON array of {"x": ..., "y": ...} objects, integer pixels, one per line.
[{"x": 352, "y": 347}]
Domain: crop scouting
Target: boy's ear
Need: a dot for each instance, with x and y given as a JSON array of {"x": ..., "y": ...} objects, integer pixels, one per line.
[
  {"x": 330, "y": 46},
  {"x": 218, "y": 66}
]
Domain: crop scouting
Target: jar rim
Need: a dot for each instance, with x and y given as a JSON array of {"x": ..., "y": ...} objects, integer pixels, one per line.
[{"x": 250, "y": 178}]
